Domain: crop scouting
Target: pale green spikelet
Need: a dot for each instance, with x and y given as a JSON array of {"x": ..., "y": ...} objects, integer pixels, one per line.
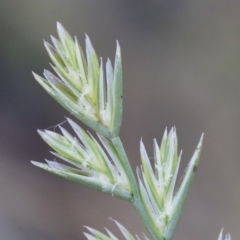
[
  {"x": 96, "y": 235},
  {"x": 82, "y": 86},
  {"x": 227, "y": 237},
  {"x": 89, "y": 162},
  {"x": 163, "y": 201}
]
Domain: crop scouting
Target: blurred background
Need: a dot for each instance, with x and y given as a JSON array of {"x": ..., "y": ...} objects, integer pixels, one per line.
[{"x": 181, "y": 67}]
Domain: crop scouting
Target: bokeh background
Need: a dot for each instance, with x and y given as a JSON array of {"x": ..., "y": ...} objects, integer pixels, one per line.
[{"x": 181, "y": 67}]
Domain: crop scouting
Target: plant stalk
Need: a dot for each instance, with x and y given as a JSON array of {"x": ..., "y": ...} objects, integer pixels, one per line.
[{"x": 136, "y": 200}]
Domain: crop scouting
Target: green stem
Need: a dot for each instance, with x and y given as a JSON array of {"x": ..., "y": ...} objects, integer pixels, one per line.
[{"x": 136, "y": 200}]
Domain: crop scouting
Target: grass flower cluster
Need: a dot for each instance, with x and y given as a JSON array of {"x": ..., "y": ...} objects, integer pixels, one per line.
[
  {"x": 92, "y": 92},
  {"x": 80, "y": 86}
]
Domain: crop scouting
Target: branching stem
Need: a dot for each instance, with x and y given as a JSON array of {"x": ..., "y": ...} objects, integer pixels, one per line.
[{"x": 136, "y": 199}]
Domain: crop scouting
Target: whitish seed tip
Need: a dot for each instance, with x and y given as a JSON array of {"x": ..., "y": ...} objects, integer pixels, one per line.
[
  {"x": 76, "y": 41},
  {"x": 38, "y": 164},
  {"x": 87, "y": 40},
  {"x": 46, "y": 43},
  {"x": 40, "y": 132},
  {"x": 86, "y": 37},
  {"x": 142, "y": 147},
  {"x": 62, "y": 129},
  {"x": 73, "y": 124},
  {"x": 49, "y": 76},
  {"x": 165, "y": 134},
  {"x": 45, "y": 71},
  {"x": 109, "y": 65},
  {"x": 49, "y": 132},
  {"x": 48, "y": 46},
  {"x": 88, "y": 236},
  {"x": 139, "y": 172},
  {"x": 89, "y": 229},
  {"x": 117, "y": 223},
  {"x": 101, "y": 64},
  {"x": 109, "y": 233},
  {"x": 70, "y": 121},
  {"x": 200, "y": 141},
  {"x": 39, "y": 79},
  {"x": 35, "y": 75},
  {"x": 53, "y": 39},
  {"x": 180, "y": 153},
  {"x": 53, "y": 66},
  {"x": 118, "y": 52},
  {"x": 118, "y": 45},
  {"x": 54, "y": 165},
  {"x": 172, "y": 131},
  {"x": 47, "y": 161},
  {"x": 88, "y": 43},
  {"x": 60, "y": 27}
]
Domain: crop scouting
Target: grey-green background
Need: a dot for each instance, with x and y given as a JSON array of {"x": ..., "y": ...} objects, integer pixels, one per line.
[{"x": 181, "y": 67}]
